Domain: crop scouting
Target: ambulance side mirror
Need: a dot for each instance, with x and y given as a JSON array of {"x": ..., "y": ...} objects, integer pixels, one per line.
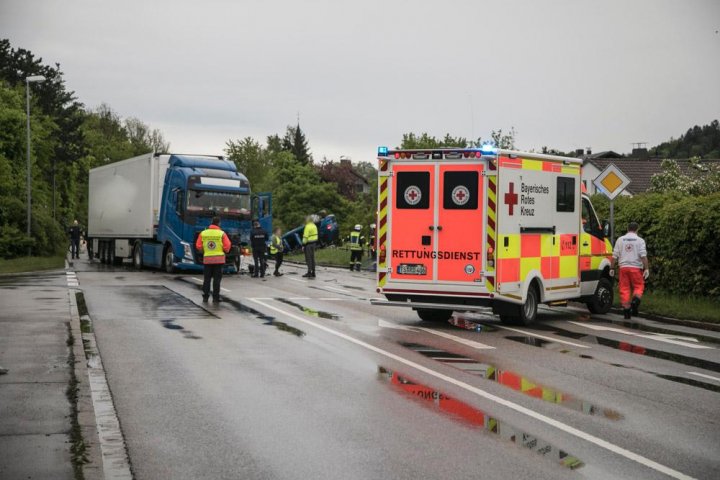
[{"x": 606, "y": 228}]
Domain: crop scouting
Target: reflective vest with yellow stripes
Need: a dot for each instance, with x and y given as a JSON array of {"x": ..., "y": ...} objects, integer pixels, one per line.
[
  {"x": 355, "y": 241},
  {"x": 275, "y": 244},
  {"x": 310, "y": 233},
  {"x": 212, "y": 246}
]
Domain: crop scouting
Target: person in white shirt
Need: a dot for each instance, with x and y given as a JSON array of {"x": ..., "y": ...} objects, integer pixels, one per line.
[{"x": 630, "y": 255}]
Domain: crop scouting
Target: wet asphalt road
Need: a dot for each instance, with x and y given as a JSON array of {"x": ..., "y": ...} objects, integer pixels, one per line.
[{"x": 293, "y": 378}]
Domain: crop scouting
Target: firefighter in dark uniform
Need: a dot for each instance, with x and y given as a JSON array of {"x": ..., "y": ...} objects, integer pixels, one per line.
[
  {"x": 214, "y": 244},
  {"x": 357, "y": 243},
  {"x": 372, "y": 244},
  {"x": 258, "y": 242}
]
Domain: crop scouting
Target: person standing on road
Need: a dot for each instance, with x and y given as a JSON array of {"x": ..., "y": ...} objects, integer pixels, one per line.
[
  {"x": 213, "y": 243},
  {"x": 309, "y": 240},
  {"x": 631, "y": 256},
  {"x": 258, "y": 242},
  {"x": 356, "y": 248},
  {"x": 75, "y": 234},
  {"x": 276, "y": 250}
]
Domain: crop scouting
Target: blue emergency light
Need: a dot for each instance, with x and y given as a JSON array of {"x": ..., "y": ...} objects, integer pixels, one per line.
[
  {"x": 382, "y": 151},
  {"x": 488, "y": 148}
]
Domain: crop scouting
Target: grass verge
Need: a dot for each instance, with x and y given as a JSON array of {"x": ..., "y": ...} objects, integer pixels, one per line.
[
  {"x": 31, "y": 264},
  {"x": 335, "y": 257},
  {"x": 678, "y": 306},
  {"x": 78, "y": 449}
]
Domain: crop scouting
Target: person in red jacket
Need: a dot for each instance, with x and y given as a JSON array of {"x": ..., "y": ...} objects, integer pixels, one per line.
[{"x": 213, "y": 243}]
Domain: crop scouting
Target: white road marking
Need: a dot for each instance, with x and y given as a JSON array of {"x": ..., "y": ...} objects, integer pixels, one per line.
[
  {"x": 300, "y": 298},
  {"x": 709, "y": 377},
  {"x": 336, "y": 289},
  {"x": 225, "y": 290},
  {"x": 297, "y": 280},
  {"x": 493, "y": 398},
  {"x": 454, "y": 338},
  {"x": 656, "y": 337},
  {"x": 332, "y": 299},
  {"x": 537, "y": 335}
]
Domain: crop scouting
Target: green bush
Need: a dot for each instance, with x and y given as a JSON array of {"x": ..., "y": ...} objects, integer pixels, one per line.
[{"x": 682, "y": 235}]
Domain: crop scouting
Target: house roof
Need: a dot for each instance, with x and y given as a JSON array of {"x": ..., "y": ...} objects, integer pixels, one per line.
[
  {"x": 605, "y": 154},
  {"x": 641, "y": 170}
]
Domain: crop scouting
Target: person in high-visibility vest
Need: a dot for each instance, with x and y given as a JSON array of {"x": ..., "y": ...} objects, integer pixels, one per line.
[
  {"x": 630, "y": 254},
  {"x": 276, "y": 250},
  {"x": 309, "y": 240},
  {"x": 213, "y": 243},
  {"x": 356, "y": 248},
  {"x": 371, "y": 241}
]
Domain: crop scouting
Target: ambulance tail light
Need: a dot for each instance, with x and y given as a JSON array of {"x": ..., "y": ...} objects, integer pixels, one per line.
[
  {"x": 490, "y": 258},
  {"x": 382, "y": 254}
]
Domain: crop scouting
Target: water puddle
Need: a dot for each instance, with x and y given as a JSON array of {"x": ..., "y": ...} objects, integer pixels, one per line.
[
  {"x": 171, "y": 325},
  {"x": 538, "y": 342},
  {"x": 474, "y": 417},
  {"x": 629, "y": 347},
  {"x": 309, "y": 311},
  {"x": 513, "y": 380},
  {"x": 466, "y": 323},
  {"x": 662, "y": 331}
]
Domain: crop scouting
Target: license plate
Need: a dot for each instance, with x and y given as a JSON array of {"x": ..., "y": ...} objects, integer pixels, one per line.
[{"x": 411, "y": 269}]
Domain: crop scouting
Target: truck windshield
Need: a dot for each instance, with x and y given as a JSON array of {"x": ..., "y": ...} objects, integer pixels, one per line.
[{"x": 223, "y": 203}]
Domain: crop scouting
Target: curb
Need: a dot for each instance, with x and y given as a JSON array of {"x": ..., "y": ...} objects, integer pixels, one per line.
[{"x": 92, "y": 470}]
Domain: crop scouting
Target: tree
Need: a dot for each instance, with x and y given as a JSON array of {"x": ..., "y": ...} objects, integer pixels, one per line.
[
  {"x": 296, "y": 143},
  {"x": 254, "y": 161},
  {"x": 501, "y": 140},
  {"x": 701, "y": 142},
  {"x": 144, "y": 139},
  {"x": 411, "y": 141},
  {"x": 700, "y": 179}
]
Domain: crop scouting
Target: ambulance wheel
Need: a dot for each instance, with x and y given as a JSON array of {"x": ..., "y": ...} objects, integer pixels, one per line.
[
  {"x": 526, "y": 313},
  {"x": 430, "y": 315},
  {"x": 602, "y": 300}
]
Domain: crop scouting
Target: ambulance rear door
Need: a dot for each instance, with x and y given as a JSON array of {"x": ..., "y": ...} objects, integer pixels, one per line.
[
  {"x": 411, "y": 239},
  {"x": 461, "y": 222}
]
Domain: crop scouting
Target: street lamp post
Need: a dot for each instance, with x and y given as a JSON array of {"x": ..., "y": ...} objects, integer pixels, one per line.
[{"x": 28, "y": 81}]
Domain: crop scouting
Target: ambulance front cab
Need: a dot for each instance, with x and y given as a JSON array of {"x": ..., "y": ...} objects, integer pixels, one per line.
[{"x": 467, "y": 229}]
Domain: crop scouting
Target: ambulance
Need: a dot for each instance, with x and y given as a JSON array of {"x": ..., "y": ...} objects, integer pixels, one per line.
[{"x": 470, "y": 228}]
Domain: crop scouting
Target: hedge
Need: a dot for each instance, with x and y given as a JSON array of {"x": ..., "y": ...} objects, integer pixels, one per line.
[{"x": 682, "y": 235}]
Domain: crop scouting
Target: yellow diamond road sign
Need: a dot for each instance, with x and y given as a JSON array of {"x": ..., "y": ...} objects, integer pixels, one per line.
[{"x": 611, "y": 182}]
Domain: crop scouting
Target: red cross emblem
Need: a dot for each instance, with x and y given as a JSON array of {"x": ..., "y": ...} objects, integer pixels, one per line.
[
  {"x": 511, "y": 198},
  {"x": 460, "y": 195},
  {"x": 412, "y": 195}
]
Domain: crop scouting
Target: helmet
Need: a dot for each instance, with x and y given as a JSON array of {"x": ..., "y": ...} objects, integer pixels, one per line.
[{"x": 358, "y": 227}]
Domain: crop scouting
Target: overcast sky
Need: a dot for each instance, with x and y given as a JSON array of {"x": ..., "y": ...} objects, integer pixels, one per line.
[{"x": 566, "y": 74}]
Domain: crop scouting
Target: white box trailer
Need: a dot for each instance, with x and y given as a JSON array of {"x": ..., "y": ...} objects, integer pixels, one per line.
[{"x": 124, "y": 197}]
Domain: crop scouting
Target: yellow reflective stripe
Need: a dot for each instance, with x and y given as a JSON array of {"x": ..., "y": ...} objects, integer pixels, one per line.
[
  {"x": 527, "y": 265},
  {"x": 568, "y": 266},
  {"x": 528, "y": 164},
  {"x": 513, "y": 248},
  {"x": 382, "y": 230},
  {"x": 570, "y": 169}
]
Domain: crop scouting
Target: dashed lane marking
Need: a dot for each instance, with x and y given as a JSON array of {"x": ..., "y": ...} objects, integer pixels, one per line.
[
  {"x": 709, "y": 377},
  {"x": 659, "y": 338},
  {"x": 537, "y": 335},
  {"x": 296, "y": 280},
  {"x": 494, "y": 398},
  {"x": 454, "y": 338}
]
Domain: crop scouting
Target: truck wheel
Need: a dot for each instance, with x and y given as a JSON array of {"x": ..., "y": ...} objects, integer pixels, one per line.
[
  {"x": 432, "y": 315},
  {"x": 169, "y": 259},
  {"x": 602, "y": 300},
  {"x": 137, "y": 256},
  {"x": 103, "y": 252},
  {"x": 527, "y": 312}
]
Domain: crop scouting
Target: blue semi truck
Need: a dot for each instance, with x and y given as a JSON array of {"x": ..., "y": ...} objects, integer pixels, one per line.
[{"x": 151, "y": 208}]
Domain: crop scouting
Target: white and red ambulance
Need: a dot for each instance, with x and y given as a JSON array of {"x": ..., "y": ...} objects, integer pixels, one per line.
[{"x": 470, "y": 228}]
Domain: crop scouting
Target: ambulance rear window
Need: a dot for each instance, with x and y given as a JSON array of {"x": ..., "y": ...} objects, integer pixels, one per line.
[
  {"x": 460, "y": 190},
  {"x": 413, "y": 190},
  {"x": 565, "y": 194}
]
